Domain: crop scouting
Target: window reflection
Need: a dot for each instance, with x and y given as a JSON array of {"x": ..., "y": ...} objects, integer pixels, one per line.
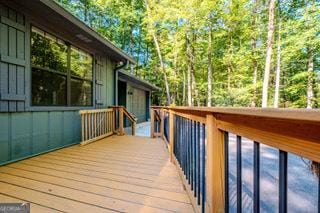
[
  {"x": 48, "y": 51},
  {"x": 81, "y": 64},
  {"x": 81, "y": 93},
  {"x": 50, "y": 58},
  {"x": 48, "y": 88}
]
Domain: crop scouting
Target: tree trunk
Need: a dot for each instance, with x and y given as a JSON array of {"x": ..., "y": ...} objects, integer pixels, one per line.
[
  {"x": 175, "y": 71},
  {"x": 189, "y": 76},
  {"x": 310, "y": 80},
  {"x": 278, "y": 70},
  {"x": 162, "y": 69},
  {"x": 155, "y": 40},
  {"x": 268, "y": 55},
  {"x": 229, "y": 76},
  {"x": 254, "y": 55},
  {"x": 209, "y": 103},
  {"x": 229, "y": 62}
]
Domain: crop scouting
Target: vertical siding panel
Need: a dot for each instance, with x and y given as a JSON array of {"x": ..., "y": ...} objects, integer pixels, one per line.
[
  {"x": 68, "y": 127},
  {"x": 110, "y": 82},
  {"x": 20, "y": 70},
  {"x": 12, "y": 68},
  {"x": 4, "y": 11},
  {"x": 20, "y": 45},
  {"x": 77, "y": 122},
  {"x": 12, "y": 86},
  {"x": 40, "y": 132},
  {"x": 21, "y": 135},
  {"x": 27, "y": 70},
  {"x": 4, "y": 78},
  {"x": 20, "y": 19},
  {"x": 4, "y": 67},
  {"x": 12, "y": 42},
  {"x": 55, "y": 129},
  {"x": 12, "y": 15},
  {"x": 20, "y": 87},
  {"x": 4, "y": 138},
  {"x": 104, "y": 82}
]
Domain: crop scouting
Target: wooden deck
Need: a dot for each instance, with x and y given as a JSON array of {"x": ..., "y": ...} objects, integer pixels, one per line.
[{"x": 118, "y": 173}]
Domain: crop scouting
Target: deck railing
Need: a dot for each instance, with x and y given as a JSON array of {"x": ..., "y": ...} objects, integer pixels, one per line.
[
  {"x": 199, "y": 144},
  {"x": 96, "y": 124},
  {"x": 123, "y": 112},
  {"x": 99, "y": 123}
]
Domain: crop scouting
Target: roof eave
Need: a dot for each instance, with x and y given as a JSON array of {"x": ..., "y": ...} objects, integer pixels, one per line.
[
  {"x": 70, "y": 17},
  {"x": 133, "y": 78}
]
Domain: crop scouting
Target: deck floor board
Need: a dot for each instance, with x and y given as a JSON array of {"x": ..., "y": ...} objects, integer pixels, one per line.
[{"x": 115, "y": 174}]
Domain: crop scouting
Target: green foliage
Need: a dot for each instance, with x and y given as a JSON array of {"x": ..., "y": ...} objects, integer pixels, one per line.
[{"x": 129, "y": 25}]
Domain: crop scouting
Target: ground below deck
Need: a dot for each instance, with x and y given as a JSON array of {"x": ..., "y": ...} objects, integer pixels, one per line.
[{"x": 118, "y": 173}]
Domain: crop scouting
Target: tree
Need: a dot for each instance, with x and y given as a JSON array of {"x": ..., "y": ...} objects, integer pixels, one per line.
[
  {"x": 216, "y": 53},
  {"x": 268, "y": 54},
  {"x": 278, "y": 69}
]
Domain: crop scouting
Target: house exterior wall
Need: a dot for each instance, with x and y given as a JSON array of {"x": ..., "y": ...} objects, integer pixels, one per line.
[
  {"x": 25, "y": 130},
  {"x": 136, "y": 102}
]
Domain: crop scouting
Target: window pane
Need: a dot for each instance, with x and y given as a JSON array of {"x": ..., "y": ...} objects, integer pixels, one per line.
[
  {"x": 81, "y": 64},
  {"x": 81, "y": 93},
  {"x": 48, "y": 52},
  {"x": 48, "y": 88}
]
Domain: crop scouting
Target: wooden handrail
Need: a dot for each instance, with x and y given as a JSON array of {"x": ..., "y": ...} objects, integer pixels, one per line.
[
  {"x": 289, "y": 130},
  {"x": 123, "y": 111}
]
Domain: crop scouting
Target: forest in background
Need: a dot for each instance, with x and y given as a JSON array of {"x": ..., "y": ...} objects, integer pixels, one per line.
[{"x": 248, "y": 53}]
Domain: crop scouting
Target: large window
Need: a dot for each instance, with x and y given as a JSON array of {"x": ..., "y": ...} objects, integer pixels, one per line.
[{"x": 61, "y": 74}]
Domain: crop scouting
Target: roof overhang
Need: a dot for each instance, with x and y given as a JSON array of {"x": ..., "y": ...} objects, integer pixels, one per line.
[
  {"x": 137, "y": 82},
  {"x": 52, "y": 16}
]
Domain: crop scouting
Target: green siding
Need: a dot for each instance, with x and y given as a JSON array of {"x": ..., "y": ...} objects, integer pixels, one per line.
[
  {"x": 30, "y": 133},
  {"x": 13, "y": 60},
  {"x": 110, "y": 83},
  {"x": 24, "y": 133}
]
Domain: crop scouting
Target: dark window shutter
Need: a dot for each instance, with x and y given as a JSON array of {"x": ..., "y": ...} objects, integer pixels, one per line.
[
  {"x": 98, "y": 82},
  {"x": 12, "y": 60}
]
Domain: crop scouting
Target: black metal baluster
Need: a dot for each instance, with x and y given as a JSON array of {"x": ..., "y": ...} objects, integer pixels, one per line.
[
  {"x": 191, "y": 156},
  {"x": 319, "y": 191},
  {"x": 178, "y": 136},
  {"x": 189, "y": 151},
  {"x": 175, "y": 134},
  {"x": 199, "y": 164},
  {"x": 182, "y": 144},
  {"x": 226, "y": 170},
  {"x": 203, "y": 168},
  {"x": 180, "y": 139},
  {"x": 256, "y": 177},
  {"x": 194, "y": 156},
  {"x": 239, "y": 175},
  {"x": 185, "y": 146},
  {"x": 283, "y": 180}
]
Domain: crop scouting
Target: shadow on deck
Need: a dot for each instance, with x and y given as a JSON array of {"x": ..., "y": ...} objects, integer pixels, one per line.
[{"x": 118, "y": 173}]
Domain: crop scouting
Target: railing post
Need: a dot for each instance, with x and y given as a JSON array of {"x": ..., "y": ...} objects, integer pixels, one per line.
[
  {"x": 215, "y": 166},
  {"x": 171, "y": 134},
  {"x": 152, "y": 123},
  {"x": 133, "y": 128},
  {"x": 121, "y": 129}
]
